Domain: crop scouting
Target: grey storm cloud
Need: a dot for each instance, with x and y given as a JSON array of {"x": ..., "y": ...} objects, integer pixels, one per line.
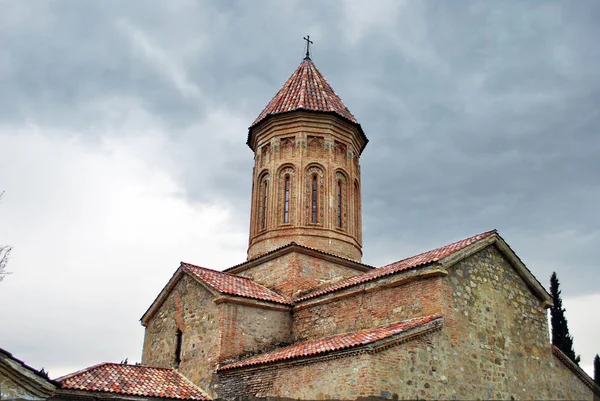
[{"x": 480, "y": 115}]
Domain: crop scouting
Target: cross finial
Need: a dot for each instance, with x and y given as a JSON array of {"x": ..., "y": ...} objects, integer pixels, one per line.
[{"x": 308, "y": 43}]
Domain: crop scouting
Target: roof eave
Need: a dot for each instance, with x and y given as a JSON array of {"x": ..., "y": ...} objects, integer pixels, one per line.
[
  {"x": 249, "y": 140},
  {"x": 162, "y": 295},
  {"x": 294, "y": 247},
  {"x": 371, "y": 347},
  {"x": 495, "y": 239}
]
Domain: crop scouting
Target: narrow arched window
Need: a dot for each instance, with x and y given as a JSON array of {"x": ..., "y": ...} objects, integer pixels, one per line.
[
  {"x": 314, "y": 199},
  {"x": 265, "y": 198},
  {"x": 286, "y": 200},
  {"x": 339, "y": 203},
  {"x": 357, "y": 209},
  {"x": 178, "y": 348}
]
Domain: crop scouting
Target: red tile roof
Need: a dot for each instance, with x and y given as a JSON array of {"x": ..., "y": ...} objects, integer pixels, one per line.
[
  {"x": 135, "y": 380},
  {"x": 405, "y": 264},
  {"x": 234, "y": 285},
  {"x": 306, "y": 89},
  {"x": 335, "y": 343}
]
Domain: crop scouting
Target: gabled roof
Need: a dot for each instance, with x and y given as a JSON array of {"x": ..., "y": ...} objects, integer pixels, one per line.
[
  {"x": 234, "y": 285},
  {"x": 220, "y": 282},
  {"x": 306, "y": 89},
  {"x": 405, "y": 264},
  {"x": 334, "y": 343},
  {"x": 135, "y": 380}
]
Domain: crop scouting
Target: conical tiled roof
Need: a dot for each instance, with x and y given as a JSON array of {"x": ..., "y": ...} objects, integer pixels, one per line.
[{"x": 306, "y": 89}]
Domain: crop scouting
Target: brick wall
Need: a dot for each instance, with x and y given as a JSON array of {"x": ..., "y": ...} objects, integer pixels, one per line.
[
  {"x": 301, "y": 145},
  {"x": 295, "y": 273},
  {"x": 368, "y": 309},
  {"x": 339, "y": 378},
  {"x": 247, "y": 330}
]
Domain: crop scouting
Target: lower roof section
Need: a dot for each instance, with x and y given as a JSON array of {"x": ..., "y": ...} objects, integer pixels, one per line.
[
  {"x": 336, "y": 343},
  {"x": 133, "y": 380}
]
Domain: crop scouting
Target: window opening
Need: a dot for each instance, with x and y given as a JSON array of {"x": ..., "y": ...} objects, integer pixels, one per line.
[
  {"x": 314, "y": 199},
  {"x": 356, "y": 209},
  {"x": 265, "y": 197},
  {"x": 339, "y": 204},
  {"x": 286, "y": 205},
  {"x": 178, "y": 348}
]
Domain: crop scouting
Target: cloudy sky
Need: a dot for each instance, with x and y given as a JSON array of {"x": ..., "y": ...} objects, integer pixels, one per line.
[{"x": 123, "y": 129}]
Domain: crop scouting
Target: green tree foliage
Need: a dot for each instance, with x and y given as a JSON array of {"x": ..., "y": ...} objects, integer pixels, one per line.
[
  {"x": 558, "y": 322},
  {"x": 597, "y": 369}
]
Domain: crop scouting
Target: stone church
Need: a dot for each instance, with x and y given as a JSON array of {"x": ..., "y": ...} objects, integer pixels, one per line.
[{"x": 304, "y": 318}]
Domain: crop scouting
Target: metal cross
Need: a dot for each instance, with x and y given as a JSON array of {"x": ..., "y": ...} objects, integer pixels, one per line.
[{"x": 308, "y": 43}]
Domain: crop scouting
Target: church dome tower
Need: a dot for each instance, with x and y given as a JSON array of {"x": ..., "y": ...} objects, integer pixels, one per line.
[{"x": 306, "y": 180}]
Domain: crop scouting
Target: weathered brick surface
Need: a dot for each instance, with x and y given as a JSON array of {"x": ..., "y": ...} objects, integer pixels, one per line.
[
  {"x": 295, "y": 273},
  {"x": 247, "y": 330},
  {"x": 191, "y": 309},
  {"x": 334, "y": 378},
  {"x": 299, "y": 145},
  {"x": 367, "y": 309}
]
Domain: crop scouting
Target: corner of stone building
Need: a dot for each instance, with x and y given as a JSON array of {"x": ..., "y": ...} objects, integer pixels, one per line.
[
  {"x": 497, "y": 331},
  {"x": 189, "y": 307}
]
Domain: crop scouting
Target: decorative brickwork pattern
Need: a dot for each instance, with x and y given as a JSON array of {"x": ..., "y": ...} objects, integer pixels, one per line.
[{"x": 134, "y": 380}]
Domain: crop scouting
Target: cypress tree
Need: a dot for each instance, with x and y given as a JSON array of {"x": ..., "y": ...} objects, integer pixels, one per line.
[
  {"x": 597, "y": 369},
  {"x": 558, "y": 322}
]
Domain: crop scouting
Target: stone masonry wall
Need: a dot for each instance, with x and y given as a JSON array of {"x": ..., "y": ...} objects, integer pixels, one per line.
[
  {"x": 294, "y": 273},
  {"x": 10, "y": 389},
  {"x": 247, "y": 330},
  {"x": 495, "y": 342},
  {"x": 368, "y": 309},
  {"x": 335, "y": 378},
  {"x": 190, "y": 308}
]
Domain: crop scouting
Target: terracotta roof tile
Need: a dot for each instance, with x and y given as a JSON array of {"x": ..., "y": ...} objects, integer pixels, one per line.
[
  {"x": 306, "y": 89},
  {"x": 234, "y": 285},
  {"x": 405, "y": 264},
  {"x": 335, "y": 343},
  {"x": 135, "y": 380}
]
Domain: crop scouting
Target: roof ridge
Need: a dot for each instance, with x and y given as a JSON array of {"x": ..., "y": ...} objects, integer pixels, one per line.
[
  {"x": 80, "y": 371},
  {"x": 207, "y": 268},
  {"x": 140, "y": 366},
  {"x": 486, "y": 233},
  {"x": 290, "y": 244}
]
